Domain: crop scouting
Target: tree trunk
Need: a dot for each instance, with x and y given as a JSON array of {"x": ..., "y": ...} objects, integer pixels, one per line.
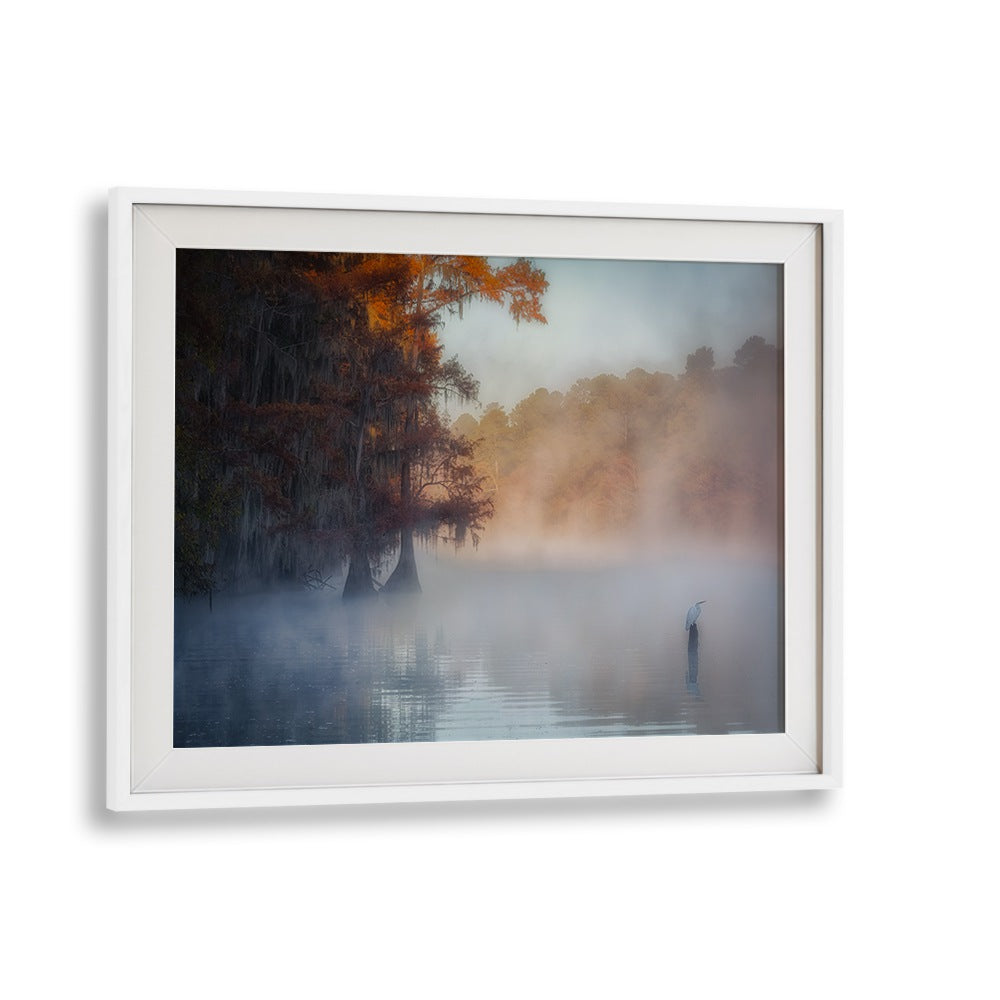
[
  {"x": 404, "y": 579},
  {"x": 359, "y": 581}
]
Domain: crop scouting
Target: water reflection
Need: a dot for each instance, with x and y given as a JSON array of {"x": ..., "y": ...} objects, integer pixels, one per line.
[{"x": 488, "y": 655}]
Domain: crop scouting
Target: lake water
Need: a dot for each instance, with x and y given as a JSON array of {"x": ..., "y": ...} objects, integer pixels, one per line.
[{"x": 487, "y": 653}]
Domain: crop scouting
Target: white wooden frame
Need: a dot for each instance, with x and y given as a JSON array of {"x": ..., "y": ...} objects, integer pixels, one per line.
[{"x": 146, "y": 772}]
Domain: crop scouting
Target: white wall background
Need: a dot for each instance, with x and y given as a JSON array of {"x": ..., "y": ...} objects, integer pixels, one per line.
[{"x": 887, "y": 110}]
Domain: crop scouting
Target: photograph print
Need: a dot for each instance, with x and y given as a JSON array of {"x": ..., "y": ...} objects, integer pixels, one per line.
[{"x": 428, "y": 498}]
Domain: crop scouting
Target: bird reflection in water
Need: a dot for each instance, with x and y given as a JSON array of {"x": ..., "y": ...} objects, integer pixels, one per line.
[{"x": 691, "y": 680}]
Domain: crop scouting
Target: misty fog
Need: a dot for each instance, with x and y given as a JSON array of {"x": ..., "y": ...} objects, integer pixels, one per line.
[
  {"x": 488, "y": 652},
  {"x": 363, "y": 552}
]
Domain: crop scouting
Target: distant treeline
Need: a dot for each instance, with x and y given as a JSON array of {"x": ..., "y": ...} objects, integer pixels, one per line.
[
  {"x": 308, "y": 428},
  {"x": 642, "y": 459}
]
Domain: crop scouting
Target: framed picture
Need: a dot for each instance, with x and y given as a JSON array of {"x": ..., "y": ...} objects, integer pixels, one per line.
[{"x": 435, "y": 499}]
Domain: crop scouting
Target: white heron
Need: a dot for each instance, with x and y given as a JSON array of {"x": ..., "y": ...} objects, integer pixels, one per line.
[{"x": 693, "y": 614}]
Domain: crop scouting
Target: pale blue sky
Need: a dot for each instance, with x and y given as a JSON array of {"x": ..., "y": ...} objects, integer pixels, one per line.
[{"x": 612, "y": 316}]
